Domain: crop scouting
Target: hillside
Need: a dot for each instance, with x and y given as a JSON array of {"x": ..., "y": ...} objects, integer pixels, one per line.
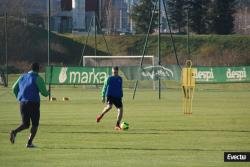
[
  {"x": 206, "y": 50},
  {"x": 27, "y": 43}
]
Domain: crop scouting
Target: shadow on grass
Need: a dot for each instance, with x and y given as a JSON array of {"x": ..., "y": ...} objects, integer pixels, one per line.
[
  {"x": 109, "y": 132},
  {"x": 159, "y": 130},
  {"x": 139, "y": 149},
  {"x": 154, "y": 131},
  {"x": 198, "y": 130},
  {"x": 132, "y": 131}
]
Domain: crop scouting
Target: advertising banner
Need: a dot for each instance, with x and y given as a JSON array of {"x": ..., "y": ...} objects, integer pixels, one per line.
[
  {"x": 76, "y": 75},
  {"x": 170, "y": 72},
  {"x": 97, "y": 75},
  {"x": 222, "y": 74}
]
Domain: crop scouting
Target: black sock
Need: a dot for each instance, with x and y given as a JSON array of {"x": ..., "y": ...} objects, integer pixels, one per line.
[
  {"x": 29, "y": 142},
  {"x": 14, "y": 132}
]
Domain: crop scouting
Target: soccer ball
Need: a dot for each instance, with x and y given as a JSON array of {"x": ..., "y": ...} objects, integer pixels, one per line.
[{"x": 124, "y": 126}]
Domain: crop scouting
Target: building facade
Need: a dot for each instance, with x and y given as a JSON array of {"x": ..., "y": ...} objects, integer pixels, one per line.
[{"x": 76, "y": 15}]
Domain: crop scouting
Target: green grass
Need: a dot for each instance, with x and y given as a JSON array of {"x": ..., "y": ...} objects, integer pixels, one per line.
[{"x": 160, "y": 134}]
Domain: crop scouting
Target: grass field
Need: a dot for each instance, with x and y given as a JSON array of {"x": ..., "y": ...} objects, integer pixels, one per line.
[{"x": 160, "y": 134}]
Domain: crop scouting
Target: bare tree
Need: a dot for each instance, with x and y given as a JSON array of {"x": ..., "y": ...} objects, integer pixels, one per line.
[
  {"x": 111, "y": 13},
  {"x": 108, "y": 11}
]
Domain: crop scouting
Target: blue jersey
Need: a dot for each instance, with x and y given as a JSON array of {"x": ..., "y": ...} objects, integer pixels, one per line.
[
  {"x": 112, "y": 87},
  {"x": 28, "y": 86},
  {"x": 28, "y": 90}
]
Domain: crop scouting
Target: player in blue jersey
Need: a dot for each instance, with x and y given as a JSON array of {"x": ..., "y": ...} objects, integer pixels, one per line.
[
  {"x": 26, "y": 90},
  {"x": 112, "y": 90}
]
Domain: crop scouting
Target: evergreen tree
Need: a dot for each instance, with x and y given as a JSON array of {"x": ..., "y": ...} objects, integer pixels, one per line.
[
  {"x": 198, "y": 15},
  {"x": 222, "y": 19},
  {"x": 242, "y": 3},
  {"x": 177, "y": 14},
  {"x": 142, "y": 13}
]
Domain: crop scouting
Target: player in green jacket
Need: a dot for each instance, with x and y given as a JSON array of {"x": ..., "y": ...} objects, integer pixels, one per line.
[{"x": 26, "y": 90}]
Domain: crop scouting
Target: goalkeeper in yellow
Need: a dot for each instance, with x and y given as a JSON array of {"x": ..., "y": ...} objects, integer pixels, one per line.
[{"x": 112, "y": 91}]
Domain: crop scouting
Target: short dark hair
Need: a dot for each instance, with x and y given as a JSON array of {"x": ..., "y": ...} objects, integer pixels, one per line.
[
  {"x": 35, "y": 67},
  {"x": 115, "y": 68}
]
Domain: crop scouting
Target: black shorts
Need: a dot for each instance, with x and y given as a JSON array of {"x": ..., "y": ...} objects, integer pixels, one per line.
[
  {"x": 116, "y": 101},
  {"x": 30, "y": 111}
]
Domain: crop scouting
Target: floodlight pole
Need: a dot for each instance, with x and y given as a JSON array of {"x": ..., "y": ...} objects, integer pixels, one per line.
[
  {"x": 95, "y": 31},
  {"x": 159, "y": 41},
  {"x": 171, "y": 34},
  {"x": 49, "y": 47},
  {"x": 188, "y": 47},
  {"x": 86, "y": 42},
  {"x": 159, "y": 45},
  {"x": 6, "y": 47},
  {"x": 100, "y": 28},
  {"x": 95, "y": 20},
  {"x": 145, "y": 46},
  {"x": 49, "y": 32}
]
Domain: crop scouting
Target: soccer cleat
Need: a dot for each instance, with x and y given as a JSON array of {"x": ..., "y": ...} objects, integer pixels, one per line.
[
  {"x": 118, "y": 128},
  {"x": 30, "y": 145},
  {"x": 98, "y": 118},
  {"x": 12, "y": 137}
]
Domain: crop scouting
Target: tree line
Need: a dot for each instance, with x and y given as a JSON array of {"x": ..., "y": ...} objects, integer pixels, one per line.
[{"x": 201, "y": 16}]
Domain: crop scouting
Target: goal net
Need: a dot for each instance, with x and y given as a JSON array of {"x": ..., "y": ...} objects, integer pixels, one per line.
[
  {"x": 122, "y": 61},
  {"x": 2, "y": 78}
]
